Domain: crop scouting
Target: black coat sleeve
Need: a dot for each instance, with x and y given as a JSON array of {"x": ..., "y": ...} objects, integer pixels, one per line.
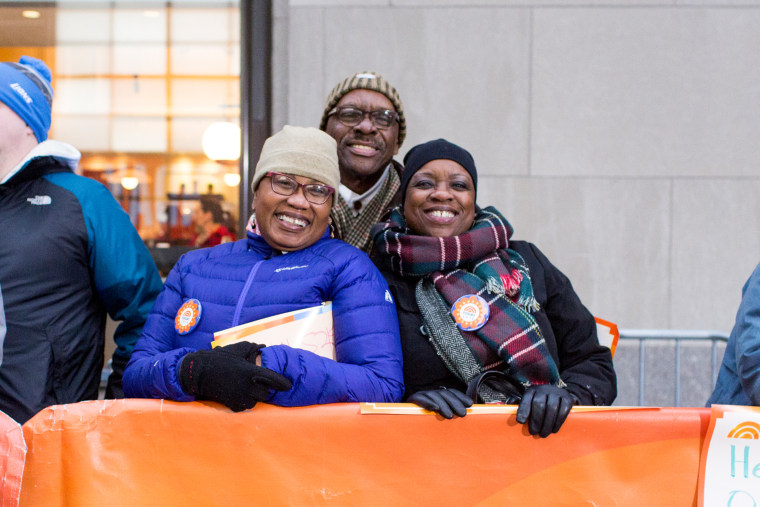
[{"x": 584, "y": 365}]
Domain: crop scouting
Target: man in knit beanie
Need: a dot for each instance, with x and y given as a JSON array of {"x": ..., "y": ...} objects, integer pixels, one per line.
[
  {"x": 69, "y": 255},
  {"x": 365, "y": 116}
]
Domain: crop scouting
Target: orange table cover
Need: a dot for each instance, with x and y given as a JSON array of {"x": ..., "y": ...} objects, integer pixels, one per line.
[{"x": 153, "y": 452}]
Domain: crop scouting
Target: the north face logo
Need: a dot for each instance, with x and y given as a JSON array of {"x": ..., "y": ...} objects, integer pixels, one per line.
[
  {"x": 388, "y": 297},
  {"x": 40, "y": 200}
]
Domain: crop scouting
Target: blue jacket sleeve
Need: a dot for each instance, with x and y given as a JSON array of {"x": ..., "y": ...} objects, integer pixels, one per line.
[
  {"x": 747, "y": 333},
  {"x": 152, "y": 369},
  {"x": 124, "y": 273},
  {"x": 367, "y": 344}
]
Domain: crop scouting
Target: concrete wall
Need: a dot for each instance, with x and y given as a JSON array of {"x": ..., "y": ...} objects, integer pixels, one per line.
[{"x": 619, "y": 136}]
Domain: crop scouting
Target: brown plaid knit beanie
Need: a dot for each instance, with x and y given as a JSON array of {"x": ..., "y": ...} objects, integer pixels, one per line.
[{"x": 366, "y": 80}]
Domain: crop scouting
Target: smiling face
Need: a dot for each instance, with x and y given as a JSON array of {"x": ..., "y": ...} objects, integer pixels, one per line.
[
  {"x": 289, "y": 222},
  {"x": 440, "y": 199},
  {"x": 363, "y": 150}
]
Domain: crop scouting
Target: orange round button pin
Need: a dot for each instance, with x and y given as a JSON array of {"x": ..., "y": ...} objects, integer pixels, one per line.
[
  {"x": 470, "y": 312},
  {"x": 188, "y": 316}
]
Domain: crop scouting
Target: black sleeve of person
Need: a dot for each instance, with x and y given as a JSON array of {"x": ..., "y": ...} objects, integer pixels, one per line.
[
  {"x": 585, "y": 365},
  {"x": 113, "y": 386}
]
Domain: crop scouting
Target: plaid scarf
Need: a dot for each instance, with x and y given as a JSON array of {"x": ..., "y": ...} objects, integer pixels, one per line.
[
  {"x": 480, "y": 262},
  {"x": 355, "y": 230}
]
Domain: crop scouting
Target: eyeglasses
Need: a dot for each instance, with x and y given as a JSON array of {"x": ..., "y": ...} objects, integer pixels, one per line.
[
  {"x": 352, "y": 116},
  {"x": 313, "y": 192}
]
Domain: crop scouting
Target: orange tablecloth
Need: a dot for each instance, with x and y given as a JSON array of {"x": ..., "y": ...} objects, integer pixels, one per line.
[{"x": 152, "y": 452}]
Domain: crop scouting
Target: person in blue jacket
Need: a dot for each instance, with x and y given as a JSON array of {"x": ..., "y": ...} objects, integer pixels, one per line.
[
  {"x": 739, "y": 376},
  {"x": 288, "y": 262},
  {"x": 68, "y": 255}
]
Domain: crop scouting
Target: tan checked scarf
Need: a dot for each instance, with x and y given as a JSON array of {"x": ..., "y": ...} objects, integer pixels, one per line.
[{"x": 355, "y": 230}]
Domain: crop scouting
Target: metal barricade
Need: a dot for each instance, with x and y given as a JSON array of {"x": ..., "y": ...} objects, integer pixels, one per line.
[
  {"x": 643, "y": 336},
  {"x": 677, "y": 337},
  {"x": 104, "y": 374}
]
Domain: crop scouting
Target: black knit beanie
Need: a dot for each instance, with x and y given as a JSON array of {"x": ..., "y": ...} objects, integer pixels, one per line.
[{"x": 423, "y": 153}]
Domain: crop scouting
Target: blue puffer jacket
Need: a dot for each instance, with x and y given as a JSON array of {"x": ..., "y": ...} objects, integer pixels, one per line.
[{"x": 246, "y": 280}]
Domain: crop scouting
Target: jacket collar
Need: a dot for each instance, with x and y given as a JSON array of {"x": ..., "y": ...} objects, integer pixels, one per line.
[
  {"x": 258, "y": 244},
  {"x": 66, "y": 160}
]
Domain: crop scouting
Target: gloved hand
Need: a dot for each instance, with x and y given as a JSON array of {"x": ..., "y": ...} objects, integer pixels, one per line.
[
  {"x": 446, "y": 402},
  {"x": 247, "y": 350},
  {"x": 229, "y": 376},
  {"x": 545, "y": 407}
]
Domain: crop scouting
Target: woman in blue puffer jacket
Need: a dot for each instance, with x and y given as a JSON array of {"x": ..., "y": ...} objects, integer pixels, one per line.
[{"x": 288, "y": 263}]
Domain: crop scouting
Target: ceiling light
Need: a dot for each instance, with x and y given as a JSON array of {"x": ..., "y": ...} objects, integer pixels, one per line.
[
  {"x": 130, "y": 182},
  {"x": 232, "y": 179},
  {"x": 221, "y": 141},
  {"x": 31, "y": 14}
]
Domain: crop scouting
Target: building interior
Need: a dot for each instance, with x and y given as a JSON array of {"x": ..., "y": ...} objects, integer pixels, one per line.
[{"x": 149, "y": 93}]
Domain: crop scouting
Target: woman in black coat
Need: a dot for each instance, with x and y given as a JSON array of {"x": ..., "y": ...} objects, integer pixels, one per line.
[{"x": 471, "y": 302}]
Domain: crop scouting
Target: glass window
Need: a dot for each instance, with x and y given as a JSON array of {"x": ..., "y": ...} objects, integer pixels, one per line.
[{"x": 137, "y": 88}]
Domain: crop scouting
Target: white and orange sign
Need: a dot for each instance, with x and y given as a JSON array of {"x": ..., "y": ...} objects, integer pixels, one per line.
[{"x": 730, "y": 461}]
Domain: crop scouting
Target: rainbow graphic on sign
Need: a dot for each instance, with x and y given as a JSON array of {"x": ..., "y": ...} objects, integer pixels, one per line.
[{"x": 747, "y": 429}]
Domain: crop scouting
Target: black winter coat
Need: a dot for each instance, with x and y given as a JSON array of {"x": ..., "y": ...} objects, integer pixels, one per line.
[
  {"x": 68, "y": 255},
  {"x": 567, "y": 326}
]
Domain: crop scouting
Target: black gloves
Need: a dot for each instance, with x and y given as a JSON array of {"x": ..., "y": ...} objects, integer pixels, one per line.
[
  {"x": 545, "y": 408},
  {"x": 229, "y": 375},
  {"x": 446, "y": 402}
]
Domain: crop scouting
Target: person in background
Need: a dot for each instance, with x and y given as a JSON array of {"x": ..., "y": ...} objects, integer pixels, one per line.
[
  {"x": 210, "y": 220},
  {"x": 287, "y": 262},
  {"x": 739, "y": 376},
  {"x": 69, "y": 256},
  {"x": 364, "y": 114},
  {"x": 483, "y": 317}
]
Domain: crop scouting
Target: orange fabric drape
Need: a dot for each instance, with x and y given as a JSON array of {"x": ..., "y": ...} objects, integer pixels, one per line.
[
  {"x": 12, "y": 456},
  {"x": 153, "y": 452}
]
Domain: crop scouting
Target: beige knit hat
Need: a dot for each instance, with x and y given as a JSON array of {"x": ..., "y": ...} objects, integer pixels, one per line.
[
  {"x": 366, "y": 80},
  {"x": 303, "y": 151}
]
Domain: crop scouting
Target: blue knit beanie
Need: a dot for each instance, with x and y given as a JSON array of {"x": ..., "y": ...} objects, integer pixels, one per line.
[{"x": 25, "y": 88}]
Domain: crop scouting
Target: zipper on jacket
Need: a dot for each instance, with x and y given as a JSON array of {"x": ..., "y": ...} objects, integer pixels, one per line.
[{"x": 246, "y": 288}]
